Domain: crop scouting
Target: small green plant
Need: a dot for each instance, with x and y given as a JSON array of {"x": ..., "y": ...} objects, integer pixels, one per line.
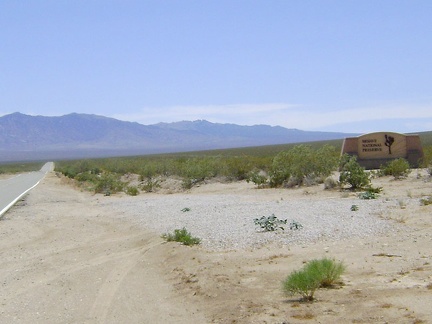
[
  {"x": 370, "y": 193},
  {"x": 354, "y": 208},
  {"x": 186, "y": 209},
  {"x": 295, "y": 225},
  {"x": 270, "y": 223},
  {"x": 367, "y": 195},
  {"x": 132, "y": 191},
  {"x": 182, "y": 236},
  {"x": 315, "y": 274}
]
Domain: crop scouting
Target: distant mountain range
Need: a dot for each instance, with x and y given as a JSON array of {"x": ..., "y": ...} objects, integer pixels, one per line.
[{"x": 24, "y": 137}]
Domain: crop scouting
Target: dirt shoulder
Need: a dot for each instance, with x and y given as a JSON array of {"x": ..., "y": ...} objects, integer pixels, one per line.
[{"x": 67, "y": 258}]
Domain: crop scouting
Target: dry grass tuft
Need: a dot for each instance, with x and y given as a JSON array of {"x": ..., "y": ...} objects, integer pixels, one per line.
[{"x": 305, "y": 316}]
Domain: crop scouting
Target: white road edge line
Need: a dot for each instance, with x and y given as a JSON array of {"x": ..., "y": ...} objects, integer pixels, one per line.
[{"x": 4, "y": 210}]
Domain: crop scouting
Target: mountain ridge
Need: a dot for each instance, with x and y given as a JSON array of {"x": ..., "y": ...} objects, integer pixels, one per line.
[{"x": 29, "y": 136}]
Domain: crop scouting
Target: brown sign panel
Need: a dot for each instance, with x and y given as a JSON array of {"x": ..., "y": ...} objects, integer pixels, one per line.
[
  {"x": 382, "y": 146},
  {"x": 375, "y": 149}
]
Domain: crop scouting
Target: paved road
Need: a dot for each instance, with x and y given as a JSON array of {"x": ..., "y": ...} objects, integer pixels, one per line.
[{"x": 12, "y": 189}]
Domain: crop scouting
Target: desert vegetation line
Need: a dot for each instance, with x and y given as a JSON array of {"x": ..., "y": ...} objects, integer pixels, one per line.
[{"x": 302, "y": 165}]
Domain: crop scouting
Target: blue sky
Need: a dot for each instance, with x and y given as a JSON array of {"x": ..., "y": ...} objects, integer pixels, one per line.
[{"x": 351, "y": 66}]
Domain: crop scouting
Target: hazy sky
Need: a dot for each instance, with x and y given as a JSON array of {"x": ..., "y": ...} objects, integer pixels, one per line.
[{"x": 352, "y": 66}]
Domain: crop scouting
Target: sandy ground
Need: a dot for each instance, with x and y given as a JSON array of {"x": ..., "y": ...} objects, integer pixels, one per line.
[{"x": 65, "y": 258}]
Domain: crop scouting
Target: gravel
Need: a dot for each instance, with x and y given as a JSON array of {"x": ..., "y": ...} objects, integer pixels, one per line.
[{"x": 226, "y": 222}]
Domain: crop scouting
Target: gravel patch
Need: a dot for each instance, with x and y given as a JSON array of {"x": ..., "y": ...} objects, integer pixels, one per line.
[{"x": 226, "y": 222}]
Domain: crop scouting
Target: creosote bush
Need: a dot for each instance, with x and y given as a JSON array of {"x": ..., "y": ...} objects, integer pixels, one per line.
[
  {"x": 302, "y": 165},
  {"x": 108, "y": 183},
  {"x": 398, "y": 168},
  {"x": 352, "y": 173},
  {"x": 182, "y": 236},
  {"x": 257, "y": 178},
  {"x": 315, "y": 274}
]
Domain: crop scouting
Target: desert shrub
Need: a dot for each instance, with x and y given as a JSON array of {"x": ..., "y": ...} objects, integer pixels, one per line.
[
  {"x": 376, "y": 190},
  {"x": 132, "y": 190},
  {"x": 302, "y": 282},
  {"x": 301, "y": 163},
  {"x": 354, "y": 208},
  {"x": 189, "y": 183},
  {"x": 148, "y": 171},
  {"x": 315, "y": 274},
  {"x": 150, "y": 185},
  {"x": 398, "y": 168},
  {"x": 426, "y": 162},
  {"x": 257, "y": 178},
  {"x": 86, "y": 176},
  {"x": 237, "y": 168},
  {"x": 196, "y": 170},
  {"x": 108, "y": 183},
  {"x": 270, "y": 223},
  {"x": 352, "y": 173},
  {"x": 330, "y": 183},
  {"x": 182, "y": 236},
  {"x": 328, "y": 269}
]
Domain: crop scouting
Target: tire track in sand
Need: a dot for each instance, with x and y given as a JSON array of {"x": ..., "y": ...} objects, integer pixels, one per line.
[{"x": 107, "y": 292}]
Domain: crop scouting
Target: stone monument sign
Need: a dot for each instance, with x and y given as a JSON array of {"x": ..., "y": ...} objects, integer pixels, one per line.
[{"x": 375, "y": 149}]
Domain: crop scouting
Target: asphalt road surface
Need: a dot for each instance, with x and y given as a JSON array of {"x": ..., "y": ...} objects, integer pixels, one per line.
[{"x": 12, "y": 189}]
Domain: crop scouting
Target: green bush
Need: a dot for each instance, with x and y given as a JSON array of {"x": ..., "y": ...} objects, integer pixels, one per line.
[
  {"x": 258, "y": 179},
  {"x": 302, "y": 163},
  {"x": 329, "y": 270},
  {"x": 398, "y": 168},
  {"x": 303, "y": 283},
  {"x": 182, "y": 236},
  {"x": 108, "y": 183},
  {"x": 352, "y": 173},
  {"x": 132, "y": 191},
  {"x": 426, "y": 162},
  {"x": 86, "y": 176},
  {"x": 315, "y": 274}
]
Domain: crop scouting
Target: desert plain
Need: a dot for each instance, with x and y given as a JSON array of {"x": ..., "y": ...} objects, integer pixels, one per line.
[{"x": 70, "y": 256}]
